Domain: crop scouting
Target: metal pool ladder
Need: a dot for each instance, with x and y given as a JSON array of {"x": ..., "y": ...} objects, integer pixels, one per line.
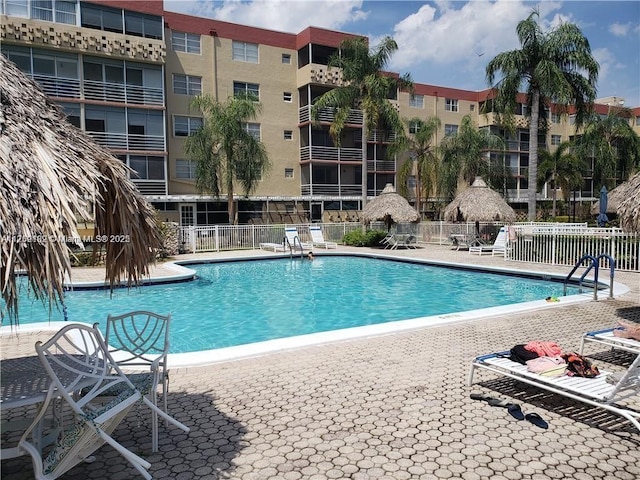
[{"x": 594, "y": 264}]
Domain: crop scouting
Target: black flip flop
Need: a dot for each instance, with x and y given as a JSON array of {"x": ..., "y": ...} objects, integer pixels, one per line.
[
  {"x": 515, "y": 411},
  {"x": 498, "y": 402},
  {"x": 537, "y": 420},
  {"x": 481, "y": 396}
]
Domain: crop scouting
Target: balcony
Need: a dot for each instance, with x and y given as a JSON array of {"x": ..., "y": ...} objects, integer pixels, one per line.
[
  {"x": 150, "y": 187},
  {"x": 121, "y": 93},
  {"x": 331, "y": 190},
  {"x": 123, "y": 141},
  {"x": 381, "y": 136},
  {"x": 58, "y": 87},
  {"x": 327, "y": 115},
  {"x": 331, "y": 153},
  {"x": 381, "y": 166}
]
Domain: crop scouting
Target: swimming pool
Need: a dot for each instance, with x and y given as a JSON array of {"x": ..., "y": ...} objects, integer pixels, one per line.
[{"x": 243, "y": 302}]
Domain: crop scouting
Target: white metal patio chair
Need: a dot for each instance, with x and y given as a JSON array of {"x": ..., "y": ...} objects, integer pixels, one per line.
[
  {"x": 139, "y": 340},
  {"x": 81, "y": 370},
  {"x": 317, "y": 238},
  {"x": 607, "y": 338}
]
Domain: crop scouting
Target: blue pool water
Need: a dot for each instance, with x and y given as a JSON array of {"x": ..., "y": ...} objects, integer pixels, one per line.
[{"x": 236, "y": 303}]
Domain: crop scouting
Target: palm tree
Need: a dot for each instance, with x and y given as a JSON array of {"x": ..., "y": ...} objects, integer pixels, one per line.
[
  {"x": 366, "y": 87},
  {"x": 422, "y": 153},
  {"x": 613, "y": 145},
  {"x": 224, "y": 150},
  {"x": 563, "y": 169},
  {"x": 464, "y": 156},
  {"x": 552, "y": 65}
]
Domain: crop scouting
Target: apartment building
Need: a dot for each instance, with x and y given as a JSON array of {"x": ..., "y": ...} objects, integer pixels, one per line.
[{"x": 126, "y": 72}]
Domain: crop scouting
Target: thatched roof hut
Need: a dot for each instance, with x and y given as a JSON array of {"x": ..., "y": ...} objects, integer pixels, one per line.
[
  {"x": 614, "y": 198},
  {"x": 479, "y": 203},
  {"x": 51, "y": 175},
  {"x": 389, "y": 207},
  {"x": 629, "y": 208}
]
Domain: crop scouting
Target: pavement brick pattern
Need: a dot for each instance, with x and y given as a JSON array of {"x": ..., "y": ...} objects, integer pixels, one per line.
[{"x": 389, "y": 407}]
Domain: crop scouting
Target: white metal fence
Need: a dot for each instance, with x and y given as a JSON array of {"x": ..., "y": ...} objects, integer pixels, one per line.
[{"x": 547, "y": 243}]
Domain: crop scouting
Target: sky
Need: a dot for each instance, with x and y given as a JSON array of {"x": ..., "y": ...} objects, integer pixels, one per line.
[{"x": 449, "y": 43}]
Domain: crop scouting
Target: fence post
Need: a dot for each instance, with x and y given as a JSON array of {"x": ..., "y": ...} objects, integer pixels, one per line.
[
  {"x": 216, "y": 231},
  {"x": 554, "y": 243},
  {"x": 192, "y": 238}
]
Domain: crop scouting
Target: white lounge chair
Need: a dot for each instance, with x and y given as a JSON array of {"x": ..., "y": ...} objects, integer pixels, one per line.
[
  {"x": 294, "y": 241},
  {"x": 317, "y": 238},
  {"x": 273, "y": 247},
  {"x": 606, "y": 337},
  {"x": 498, "y": 248},
  {"x": 81, "y": 370},
  {"x": 140, "y": 341},
  {"x": 596, "y": 391}
]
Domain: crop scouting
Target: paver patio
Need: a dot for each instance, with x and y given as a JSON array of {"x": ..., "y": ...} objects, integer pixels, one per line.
[{"x": 387, "y": 407}]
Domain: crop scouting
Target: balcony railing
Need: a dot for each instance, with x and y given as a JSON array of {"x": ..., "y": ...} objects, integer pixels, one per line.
[
  {"x": 381, "y": 165},
  {"x": 381, "y": 136},
  {"x": 331, "y": 153},
  {"x": 327, "y": 115},
  {"x": 123, "y": 141},
  {"x": 121, "y": 93},
  {"x": 331, "y": 189},
  {"x": 58, "y": 87},
  {"x": 150, "y": 187}
]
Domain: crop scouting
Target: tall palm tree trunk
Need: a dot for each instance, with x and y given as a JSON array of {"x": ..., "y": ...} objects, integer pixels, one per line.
[
  {"x": 533, "y": 156},
  {"x": 364, "y": 160}
]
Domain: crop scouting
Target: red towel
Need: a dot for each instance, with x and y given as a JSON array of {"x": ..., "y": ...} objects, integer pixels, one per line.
[{"x": 544, "y": 349}]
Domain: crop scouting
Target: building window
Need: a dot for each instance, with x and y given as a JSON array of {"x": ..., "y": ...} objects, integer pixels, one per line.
[
  {"x": 185, "y": 42},
  {"x": 187, "y": 85},
  {"x": 253, "y": 129},
  {"x": 416, "y": 101},
  {"x": 245, "y": 52},
  {"x": 286, "y": 59},
  {"x": 638, "y": 121},
  {"x": 555, "y": 118},
  {"x": 72, "y": 111},
  {"x": 450, "y": 129},
  {"x": 451, "y": 105},
  {"x": 147, "y": 167},
  {"x": 288, "y": 134},
  {"x": 16, "y": 8},
  {"x": 288, "y": 173},
  {"x": 101, "y": 18},
  {"x": 185, "y": 169},
  {"x": 472, "y": 107},
  {"x": 287, "y": 97},
  {"x": 141, "y": 25},
  {"x": 413, "y": 127},
  {"x": 243, "y": 88},
  {"x": 556, "y": 139},
  {"x": 185, "y": 126}
]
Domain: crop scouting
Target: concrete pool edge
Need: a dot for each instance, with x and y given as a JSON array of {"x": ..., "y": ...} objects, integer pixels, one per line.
[{"x": 207, "y": 357}]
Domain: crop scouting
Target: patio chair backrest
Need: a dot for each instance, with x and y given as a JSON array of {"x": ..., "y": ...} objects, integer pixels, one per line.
[
  {"x": 138, "y": 337},
  {"x": 76, "y": 359},
  {"x": 316, "y": 234}
]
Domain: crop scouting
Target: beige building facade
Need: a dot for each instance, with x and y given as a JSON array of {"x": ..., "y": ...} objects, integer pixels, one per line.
[{"x": 127, "y": 72}]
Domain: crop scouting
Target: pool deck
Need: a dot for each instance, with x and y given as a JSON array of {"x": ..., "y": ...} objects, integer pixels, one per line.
[{"x": 393, "y": 406}]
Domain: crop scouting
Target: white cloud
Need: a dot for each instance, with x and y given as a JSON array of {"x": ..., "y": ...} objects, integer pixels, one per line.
[
  {"x": 281, "y": 15},
  {"x": 620, "y": 29},
  {"x": 471, "y": 34}
]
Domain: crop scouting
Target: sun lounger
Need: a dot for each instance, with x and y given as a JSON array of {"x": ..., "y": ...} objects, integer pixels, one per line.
[
  {"x": 498, "y": 248},
  {"x": 294, "y": 241},
  {"x": 592, "y": 391},
  {"x": 317, "y": 238},
  {"x": 273, "y": 247},
  {"x": 606, "y": 337}
]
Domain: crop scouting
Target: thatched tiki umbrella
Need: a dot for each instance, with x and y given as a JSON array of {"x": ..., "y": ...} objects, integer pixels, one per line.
[
  {"x": 389, "y": 207},
  {"x": 50, "y": 174},
  {"x": 629, "y": 209},
  {"x": 479, "y": 203}
]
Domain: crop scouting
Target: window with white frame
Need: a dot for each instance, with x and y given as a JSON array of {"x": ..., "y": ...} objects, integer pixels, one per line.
[
  {"x": 287, "y": 97},
  {"x": 413, "y": 127},
  {"x": 253, "y": 129},
  {"x": 416, "y": 101},
  {"x": 288, "y": 173},
  {"x": 243, "y": 88},
  {"x": 185, "y": 169},
  {"x": 185, "y": 126},
  {"x": 245, "y": 52},
  {"x": 472, "y": 107},
  {"x": 450, "y": 129},
  {"x": 555, "y": 118},
  {"x": 556, "y": 139},
  {"x": 185, "y": 42},
  {"x": 286, "y": 59},
  {"x": 187, "y": 85},
  {"x": 451, "y": 105},
  {"x": 288, "y": 134}
]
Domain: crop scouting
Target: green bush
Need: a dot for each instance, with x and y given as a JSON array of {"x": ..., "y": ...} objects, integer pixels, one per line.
[{"x": 357, "y": 238}]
